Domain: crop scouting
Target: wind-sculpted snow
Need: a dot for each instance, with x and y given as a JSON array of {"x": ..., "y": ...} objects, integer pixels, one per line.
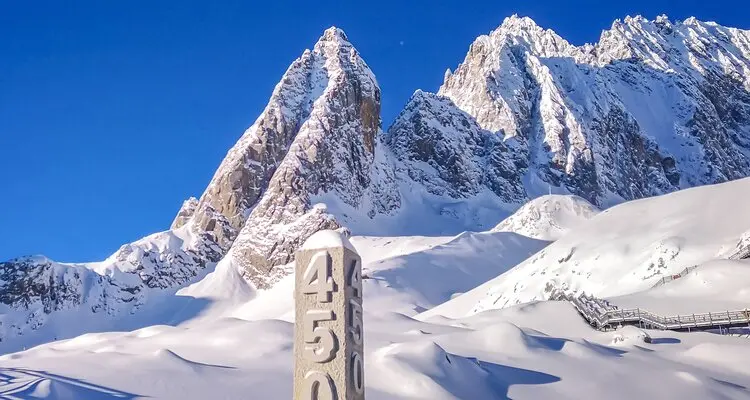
[{"x": 535, "y": 351}]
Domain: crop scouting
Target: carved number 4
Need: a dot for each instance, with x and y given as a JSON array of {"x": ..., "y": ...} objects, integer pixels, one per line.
[
  {"x": 317, "y": 278},
  {"x": 355, "y": 279}
]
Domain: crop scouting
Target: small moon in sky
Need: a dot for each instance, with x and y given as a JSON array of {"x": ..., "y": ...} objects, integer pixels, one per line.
[{"x": 401, "y": 43}]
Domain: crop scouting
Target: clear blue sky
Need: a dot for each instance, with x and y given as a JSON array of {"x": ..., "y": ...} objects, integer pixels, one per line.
[{"x": 113, "y": 112}]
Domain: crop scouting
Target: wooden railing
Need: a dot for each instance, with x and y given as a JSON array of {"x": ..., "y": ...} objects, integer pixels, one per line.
[
  {"x": 603, "y": 315},
  {"x": 739, "y": 254},
  {"x": 670, "y": 278}
]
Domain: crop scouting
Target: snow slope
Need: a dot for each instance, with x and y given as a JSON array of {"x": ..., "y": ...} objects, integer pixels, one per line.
[
  {"x": 713, "y": 286},
  {"x": 548, "y": 217},
  {"x": 533, "y": 351},
  {"x": 625, "y": 249},
  {"x": 410, "y": 274}
]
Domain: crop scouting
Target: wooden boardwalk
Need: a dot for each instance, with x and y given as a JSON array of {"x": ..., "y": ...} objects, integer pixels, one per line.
[{"x": 603, "y": 315}]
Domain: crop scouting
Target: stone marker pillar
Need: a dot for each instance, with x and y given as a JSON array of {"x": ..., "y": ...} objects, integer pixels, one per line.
[{"x": 328, "y": 329}]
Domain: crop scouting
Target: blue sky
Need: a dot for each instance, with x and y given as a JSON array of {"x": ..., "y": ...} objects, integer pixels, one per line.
[{"x": 113, "y": 112}]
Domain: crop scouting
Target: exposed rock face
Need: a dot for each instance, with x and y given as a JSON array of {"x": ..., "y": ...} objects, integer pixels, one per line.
[
  {"x": 442, "y": 148},
  {"x": 186, "y": 212},
  {"x": 244, "y": 174},
  {"x": 166, "y": 259},
  {"x": 651, "y": 108},
  {"x": 43, "y": 286},
  {"x": 333, "y": 154}
]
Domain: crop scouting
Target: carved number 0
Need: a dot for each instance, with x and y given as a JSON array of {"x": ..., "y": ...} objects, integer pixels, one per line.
[
  {"x": 358, "y": 376},
  {"x": 318, "y": 386},
  {"x": 317, "y": 278}
]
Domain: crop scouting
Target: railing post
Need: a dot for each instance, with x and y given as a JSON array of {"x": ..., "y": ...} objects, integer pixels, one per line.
[{"x": 729, "y": 321}]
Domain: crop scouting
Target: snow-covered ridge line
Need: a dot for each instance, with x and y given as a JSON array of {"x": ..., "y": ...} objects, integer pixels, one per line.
[
  {"x": 33, "y": 289},
  {"x": 651, "y": 108}
]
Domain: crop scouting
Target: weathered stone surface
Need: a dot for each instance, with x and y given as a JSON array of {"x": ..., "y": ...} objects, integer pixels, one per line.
[
  {"x": 329, "y": 330},
  {"x": 38, "y": 287}
]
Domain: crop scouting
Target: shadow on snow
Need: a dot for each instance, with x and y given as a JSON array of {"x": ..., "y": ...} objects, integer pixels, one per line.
[{"x": 19, "y": 383}]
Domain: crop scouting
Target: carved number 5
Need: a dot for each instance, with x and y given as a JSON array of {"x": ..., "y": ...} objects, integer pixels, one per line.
[
  {"x": 317, "y": 278},
  {"x": 323, "y": 338},
  {"x": 355, "y": 316}
]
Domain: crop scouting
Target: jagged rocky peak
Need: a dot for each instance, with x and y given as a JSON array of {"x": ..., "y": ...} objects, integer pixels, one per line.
[
  {"x": 245, "y": 172},
  {"x": 689, "y": 46},
  {"x": 442, "y": 148},
  {"x": 525, "y": 31},
  {"x": 332, "y": 156},
  {"x": 486, "y": 83},
  {"x": 654, "y": 106},
  {"x": 316, "y": 136}
]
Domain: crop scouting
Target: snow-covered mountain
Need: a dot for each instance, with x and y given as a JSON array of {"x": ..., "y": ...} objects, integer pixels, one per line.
[{"x": 653, "y": 107}]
